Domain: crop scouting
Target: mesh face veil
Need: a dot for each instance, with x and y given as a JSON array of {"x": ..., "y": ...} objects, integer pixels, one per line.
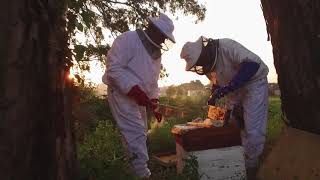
[
  {"x": 207, "y": 58},
  {"x": 162, "y": 46}
]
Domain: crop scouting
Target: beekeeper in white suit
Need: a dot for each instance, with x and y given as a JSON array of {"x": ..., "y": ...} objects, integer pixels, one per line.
[
  {"x": 132, "y": 71},
  {"x": 241, "y": 76}
]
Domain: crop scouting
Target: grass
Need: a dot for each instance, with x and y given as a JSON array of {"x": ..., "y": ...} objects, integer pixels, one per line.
[
  {"x": 101, "y": 154},
  {"x": 275, "y": 123},
  {"x": 161, "y": 139},
  {"x": 190, "y": 171}
]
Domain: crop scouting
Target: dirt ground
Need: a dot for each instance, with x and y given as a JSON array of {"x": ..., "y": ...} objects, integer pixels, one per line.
[{"x": 295, "y": 156}]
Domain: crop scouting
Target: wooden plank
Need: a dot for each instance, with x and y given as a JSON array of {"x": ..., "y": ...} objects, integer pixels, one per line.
[
  {"x": 181, "y": 155},
  {"x": 166, "y": 159},
  {"x": 294, "y": 157}
]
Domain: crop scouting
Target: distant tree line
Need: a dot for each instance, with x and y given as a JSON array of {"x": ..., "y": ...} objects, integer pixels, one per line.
[{"x": 182, "y": 89}]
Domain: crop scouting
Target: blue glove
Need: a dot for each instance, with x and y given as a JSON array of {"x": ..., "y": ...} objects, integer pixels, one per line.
[
  {"x": 214, "y": 87},
  {"x": 221, "y": 91},
  {"x": 245, "y": 73},
  {"x": 218, "y": 93}
]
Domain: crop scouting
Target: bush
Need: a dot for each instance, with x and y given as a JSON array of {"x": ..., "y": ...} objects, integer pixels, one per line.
[
  {"x": 88, "y": 111},
  {"x": 102, "y": 155},
  {"x": 189, "y": 172},
  {"x": 98, "y": 105},
  {"x": 161, "y": 139}
]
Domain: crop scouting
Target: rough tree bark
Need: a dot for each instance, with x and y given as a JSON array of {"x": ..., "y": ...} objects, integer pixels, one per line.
[
  {"x": 294, "y": 28},
  {"x": 36, "y": 140}
]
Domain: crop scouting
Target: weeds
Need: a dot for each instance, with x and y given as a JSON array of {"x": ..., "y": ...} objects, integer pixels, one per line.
[
  {"x": 102, "y": 155},
  {"x": 189, "y": 172},
  {"x": 275, "y": 123}
]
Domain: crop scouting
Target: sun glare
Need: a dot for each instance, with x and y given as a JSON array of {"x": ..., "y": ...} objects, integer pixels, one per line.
[
  {"x": 242, "y": 21},
  {"x": 71, "y": 76}
]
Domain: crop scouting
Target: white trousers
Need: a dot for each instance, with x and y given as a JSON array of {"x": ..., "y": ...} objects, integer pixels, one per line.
[
  {"x": 132, "y": 122},
  {"x": 254, "y": 100}
]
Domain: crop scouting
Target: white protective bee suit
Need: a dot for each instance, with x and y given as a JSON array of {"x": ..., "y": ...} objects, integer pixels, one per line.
[
  {"x": 128, "y": 64},
  {"x": 253, "y": 95}
]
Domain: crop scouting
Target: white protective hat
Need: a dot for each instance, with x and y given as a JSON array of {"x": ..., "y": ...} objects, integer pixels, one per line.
[
  {"x": 191, "y": 52},
  {"x": 164, "y": 24}
]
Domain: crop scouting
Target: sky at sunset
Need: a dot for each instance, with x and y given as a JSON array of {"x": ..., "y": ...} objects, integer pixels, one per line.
[{"x": 239, "y": 20}]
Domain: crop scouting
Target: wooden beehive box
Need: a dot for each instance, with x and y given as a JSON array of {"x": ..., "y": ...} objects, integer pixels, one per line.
[
  {"x": 218, "y": 149},
  {"x": 193, "y": 138}
]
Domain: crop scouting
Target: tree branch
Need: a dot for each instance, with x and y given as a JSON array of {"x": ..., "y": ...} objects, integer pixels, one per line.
[
  {"x": 117, "y": 2},
  {"x": 123, "y": 3}
]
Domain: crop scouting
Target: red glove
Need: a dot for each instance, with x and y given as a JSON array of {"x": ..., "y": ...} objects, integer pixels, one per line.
[
  {"x": 139, "y": 96},
  {"x": 154, "y": 106},
  {"x": 158, "y": 116}
]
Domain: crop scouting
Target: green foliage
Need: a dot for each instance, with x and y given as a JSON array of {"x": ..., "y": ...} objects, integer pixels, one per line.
[
  {"x": 102, "y": 156},
  {"x": 98, "y": 105},
  {"x": 193, "y": 85},
  {"x": 89, "y": 111},
  {"x": 194, "y": 106},
  {"x": 94, "y": 19},
  {"x": 161, "y": 139},
  {"x": 190, "y": 169},
  {"x": 163, "y": 72},
  {"x": 171, "y": 91},
  {"x": 100, "y": 150},
  {"x": 101, "y": 153},
  {"x": 275, "y": 122},
  {"x": 189, "y": 172},
  {"x": 182, "y": 89}
]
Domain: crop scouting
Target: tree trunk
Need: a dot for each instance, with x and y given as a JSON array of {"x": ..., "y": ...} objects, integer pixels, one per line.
[
  {"x": 36, "y": 139},
  {"x": 294, "y": 27}
]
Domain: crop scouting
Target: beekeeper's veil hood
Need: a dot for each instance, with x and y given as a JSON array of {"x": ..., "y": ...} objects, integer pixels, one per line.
[
  {"x": 191, "y": 51},
  {"x": 164, "y": 24}
]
